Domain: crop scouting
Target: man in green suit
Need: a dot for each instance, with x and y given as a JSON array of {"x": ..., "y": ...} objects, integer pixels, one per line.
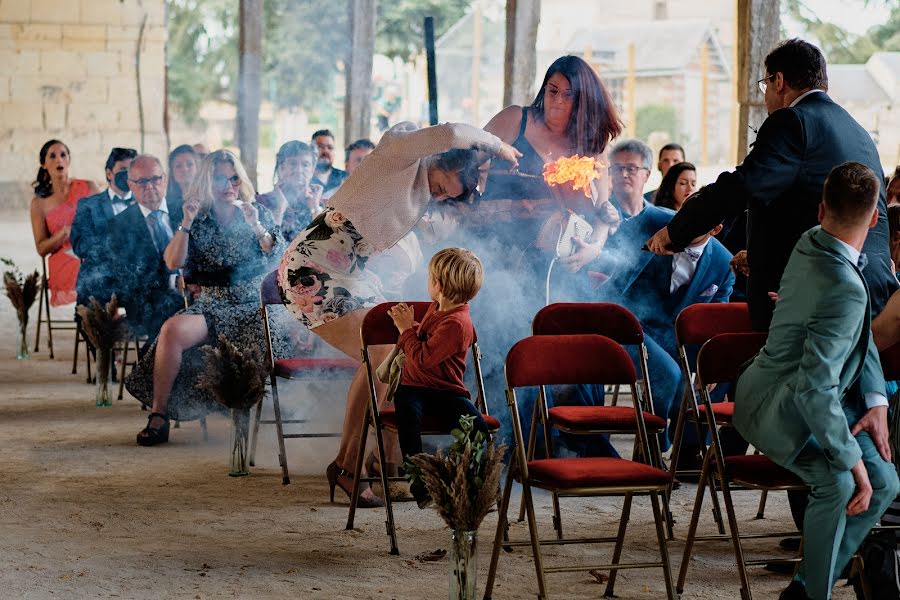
[{"x": 816, "y": 390}]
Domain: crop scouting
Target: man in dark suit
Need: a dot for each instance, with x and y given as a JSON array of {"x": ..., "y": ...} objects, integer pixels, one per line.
[
  {"x": 90, "y": 228},
  {"x": 780, "y": 181},
  {"x": 327, "y": 175},
  {"x": 140, "y": 235}
]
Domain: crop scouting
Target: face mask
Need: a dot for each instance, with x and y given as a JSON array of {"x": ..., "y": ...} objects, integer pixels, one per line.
[{"x": 120, "y": 180}]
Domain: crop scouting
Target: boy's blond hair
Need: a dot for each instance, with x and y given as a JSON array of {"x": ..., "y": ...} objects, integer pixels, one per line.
[{"x": 459, "y": 273}]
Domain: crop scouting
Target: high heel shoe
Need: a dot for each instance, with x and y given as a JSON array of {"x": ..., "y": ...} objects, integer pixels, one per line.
[
  {"x": 151, "y": 436},
  {"x": 334, "y": 472}
]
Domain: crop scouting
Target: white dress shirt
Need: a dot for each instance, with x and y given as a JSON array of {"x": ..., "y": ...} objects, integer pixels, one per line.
[
  {"x": 117, "y": 207},
  {"x": 804, "y": 95},
  {"x": 684, "y": 266}
]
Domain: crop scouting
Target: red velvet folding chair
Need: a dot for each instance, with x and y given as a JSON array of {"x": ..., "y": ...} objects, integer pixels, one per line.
[
  {"x": 378, "y": 330},
  {"x": 617, "y": 323},
  {"x": 543, "y": 360},
  {"x": 719, "y": 361},
  {"x": 694, "y": 326},
  {"x": 306, "y": 369}
]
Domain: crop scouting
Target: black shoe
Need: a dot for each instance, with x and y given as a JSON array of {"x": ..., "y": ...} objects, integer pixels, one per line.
[
  {"x": 791, "y": 544},
  {"x": 151, "y": 436},
  {"x": 781, "y": 567},
  {"x": 689, "y": 459},
  {"x": 795, "y": 591}
]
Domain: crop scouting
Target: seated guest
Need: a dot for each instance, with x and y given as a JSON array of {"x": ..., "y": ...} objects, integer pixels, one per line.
[
  {"x": 90, "y": 229},
  {"x": 52, "y": 212},
  {"x": 669, "y": 155},
  {"x": 200, "y": 150},
  {"x": 356, "y": 152},
  {"x": 182, "y": 170},
  {"x": 228, "y": 241},
  {"x": 144, "y": 285},
  {"x": 813, "y": 398},
  {"x": 893, "y": 188},
  {"x": 295, "y": 200},
  {"x": 327, "y": 175},
  {"x": 679, "y": 183}
]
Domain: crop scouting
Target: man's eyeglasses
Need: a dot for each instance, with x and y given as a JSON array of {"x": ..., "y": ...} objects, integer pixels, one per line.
[
  {"x": 222, "y": 181},
  {"x": 625, "y": 169},
  {"x": 145, "y": 181},
  {"x": 555, "y": 93},
  {"x": 764, "y": 83}
]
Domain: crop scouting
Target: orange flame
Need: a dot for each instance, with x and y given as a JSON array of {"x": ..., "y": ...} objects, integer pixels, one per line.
[{"x": 577, "y": 170}]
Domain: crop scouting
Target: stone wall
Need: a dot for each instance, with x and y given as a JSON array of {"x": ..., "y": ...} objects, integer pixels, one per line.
[{"x": 68, "y": 71}]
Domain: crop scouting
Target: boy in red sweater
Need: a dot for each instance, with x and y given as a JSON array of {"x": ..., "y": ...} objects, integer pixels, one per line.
[{"x": 432, "y": 381}]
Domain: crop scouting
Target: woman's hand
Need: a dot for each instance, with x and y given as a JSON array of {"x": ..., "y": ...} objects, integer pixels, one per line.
[
  {"x": 314, "y": 198},
  {"x": 251, "y": 214},
  {"x": 64, "y": 232},
  {"x": 402, "y": 316},
  {"x": 510, "y": 154},
  {"x": 584, "y": 254},
  {"x": 190, "y": 211}
]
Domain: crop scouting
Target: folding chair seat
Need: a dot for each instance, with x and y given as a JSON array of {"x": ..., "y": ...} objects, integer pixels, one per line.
[
  {"x": 694, "y": 326},
  {"x": 719, "y": 361},
  {"x": 306, "y": 369},
  {"x": 58, "y": 324},
  {"x": 617, "y": 323},
  {"x": 542, "y": 360},
  {"x": 378, "y": 329}
]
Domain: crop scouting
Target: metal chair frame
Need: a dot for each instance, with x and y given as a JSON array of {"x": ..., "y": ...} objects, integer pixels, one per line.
[{"x": 58, "y": 324}]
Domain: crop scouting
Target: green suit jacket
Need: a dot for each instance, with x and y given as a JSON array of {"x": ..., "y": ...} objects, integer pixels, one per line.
[{"x": 803, "y": 383}]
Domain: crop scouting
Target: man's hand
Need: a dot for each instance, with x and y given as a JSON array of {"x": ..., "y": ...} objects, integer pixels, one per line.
[
  {"x": 859, "y": 503},
  {"x": 739, "y": 263},
  {"x": 874, "y": 422},
  {"x": 402, "y": 316},
  {"x": 660, "y": 242}
]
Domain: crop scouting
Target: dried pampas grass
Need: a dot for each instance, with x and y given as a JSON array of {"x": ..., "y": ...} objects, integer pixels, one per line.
[
  {"x": 465, "y": 482},
  {"x": 22, "y": 290},
  {"x": 102, "y": 325},
  {"x": 235, "y": 379}
]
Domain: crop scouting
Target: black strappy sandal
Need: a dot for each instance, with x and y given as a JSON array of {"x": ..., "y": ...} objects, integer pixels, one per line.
[{"x": 151, "y": 436}]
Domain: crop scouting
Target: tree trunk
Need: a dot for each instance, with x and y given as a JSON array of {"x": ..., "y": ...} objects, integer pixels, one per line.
[
  {"x": 759, "y": 26},
  {"x": 522, "y": 19},
  {"x": 358, "y": 103},
  {"x": 250, "y": 84}
]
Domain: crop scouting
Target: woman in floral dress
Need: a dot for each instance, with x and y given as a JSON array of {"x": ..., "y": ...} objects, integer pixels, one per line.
[
  {"x": 227, "y": 242},
  {"x": 323, "y": 275}
]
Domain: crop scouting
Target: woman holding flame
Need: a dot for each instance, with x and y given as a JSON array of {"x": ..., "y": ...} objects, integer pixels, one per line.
[{"x": 226, "y": 241}]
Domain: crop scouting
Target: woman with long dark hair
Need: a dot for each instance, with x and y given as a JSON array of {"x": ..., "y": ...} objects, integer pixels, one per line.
[
  {"x": 679, "y": 183},
  {"x": 183, "y": 165},
  {"x": 52, "y": 213}
]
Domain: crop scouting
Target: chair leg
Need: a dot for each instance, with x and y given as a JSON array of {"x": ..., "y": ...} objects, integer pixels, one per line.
[
  {"x": 761, "y": 510},
  {"x": 124, "y": 367},
  {"x": 692, "y": 528},
  {"x": 75, "y": 353},
  {"x": 615, "y": 398},
  {"x": 620, "y": 541},
  {"x": 204, "y": 429},
  {"x": 714, "y": 497},
  {"x": 663, "y": 546},
  {"x": 37, "y": 333},
  {"x": 357, "y": 470},
  {"x": 255, "y": 432},
  {"x": 736, "y": 541},
  {"x": 49, "y": 325},
  {"x": 87, "y": 356},
  {"x": 532, "y": 443},
  {"x": 500, "y": 537},
  {"x": 388, "y": 505},
  {"x": 535, "y": 541},
  {"x": 279, "y": 431}
]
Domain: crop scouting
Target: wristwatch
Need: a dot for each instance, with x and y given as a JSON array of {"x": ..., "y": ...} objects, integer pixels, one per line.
[{"x": 184, "y": 229}]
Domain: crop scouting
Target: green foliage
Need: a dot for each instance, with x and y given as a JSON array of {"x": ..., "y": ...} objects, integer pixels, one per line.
[
  {"x": 400, "y": 31},
  {"x": 656, "y": 117},
  {"x": 841, "y": 46}
]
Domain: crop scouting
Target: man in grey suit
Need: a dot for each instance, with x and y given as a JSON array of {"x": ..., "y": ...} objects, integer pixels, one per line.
[{"x": 811, "y": 396}]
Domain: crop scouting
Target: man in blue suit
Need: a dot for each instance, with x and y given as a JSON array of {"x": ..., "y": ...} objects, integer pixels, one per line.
[
  {"x": 654, "y": 288},
  {"x": 90, "y": 229},
  {"x": 814, "y": 393}
]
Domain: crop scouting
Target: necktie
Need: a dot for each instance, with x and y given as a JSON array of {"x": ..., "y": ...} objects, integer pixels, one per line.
[
  {"x": 863, "y": 261},
  {"x": 160, "y": 234}
]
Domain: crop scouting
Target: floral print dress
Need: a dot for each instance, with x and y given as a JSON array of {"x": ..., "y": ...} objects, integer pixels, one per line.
[
  {"x": 229, "y": 265},
  {"x": 323, "y": 274}
]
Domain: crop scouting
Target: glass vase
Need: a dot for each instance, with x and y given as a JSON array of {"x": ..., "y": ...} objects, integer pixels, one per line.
[
  {"x": 463, "y": 564},
  {"x": 22, "y": 340},
  {"x": 240, "y": 437},
  {"x": 104, "y": 356}
]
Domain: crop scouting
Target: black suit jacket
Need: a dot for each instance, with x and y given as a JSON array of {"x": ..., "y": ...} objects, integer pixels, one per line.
[
  {"x": 142, "y": 277},
  {"x": 780, "y": 185},
  {"x": 90, "y": 242}
]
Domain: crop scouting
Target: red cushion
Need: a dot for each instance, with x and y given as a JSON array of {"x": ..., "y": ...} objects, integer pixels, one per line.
[
  {"x": 602, "y": 418},
  {"x": 568, "y": 473},
  {"x": 311, "y": 368},
  {"x": 759, "y": 470},
  {"x": 723, "y": 411},
  {"x": 389, "y": 421}
]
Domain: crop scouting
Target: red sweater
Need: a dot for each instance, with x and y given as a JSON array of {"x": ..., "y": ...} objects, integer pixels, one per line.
[{"x": 436, "y": 350}]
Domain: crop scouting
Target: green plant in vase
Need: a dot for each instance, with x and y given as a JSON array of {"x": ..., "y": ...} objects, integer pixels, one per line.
[{"x": 22, "y": 290}]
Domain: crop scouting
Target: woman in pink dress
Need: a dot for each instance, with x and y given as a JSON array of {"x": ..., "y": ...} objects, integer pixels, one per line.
[{"x": 52, "y": 212}]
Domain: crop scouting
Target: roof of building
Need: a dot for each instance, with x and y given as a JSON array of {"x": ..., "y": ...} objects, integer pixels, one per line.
[{"x": 855, "y": 84}]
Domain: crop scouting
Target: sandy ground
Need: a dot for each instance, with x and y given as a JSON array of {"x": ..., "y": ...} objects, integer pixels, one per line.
[{"x": 85, "y": 513}]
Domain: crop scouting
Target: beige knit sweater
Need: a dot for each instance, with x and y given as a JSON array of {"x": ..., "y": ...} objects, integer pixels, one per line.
[{"x": 388, "y": 192}]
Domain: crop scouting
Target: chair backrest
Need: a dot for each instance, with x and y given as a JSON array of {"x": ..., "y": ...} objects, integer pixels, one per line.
[
  {"x": 571, "y": 318},
  {"x": 378, "y": 328},
  {"x": 699, "y": 322},
  {"x": 568, "y": 359},
  {"x": 269, "y": 292},
  {"x": 890, "y": 363},
  {"x": 720, "y": 359}
]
